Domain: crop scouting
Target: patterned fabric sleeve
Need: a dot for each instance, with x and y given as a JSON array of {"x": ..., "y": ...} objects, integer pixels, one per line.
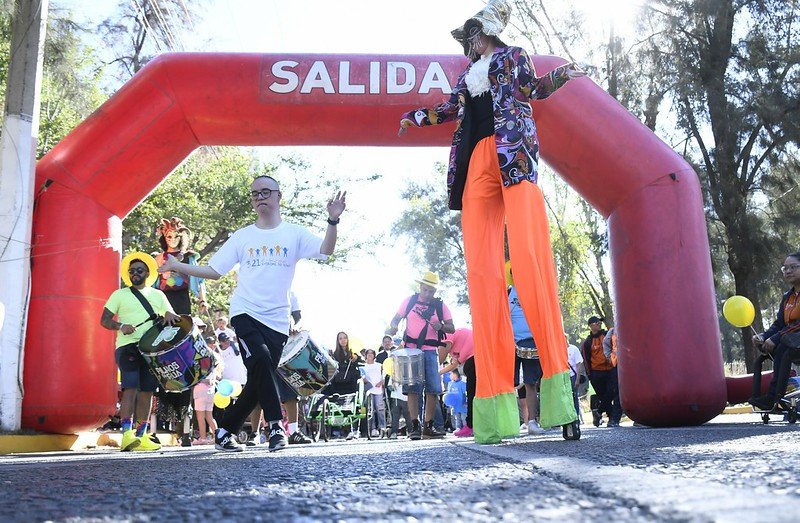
[
  {"x": 444, "y": 112},
  {"x": 537, "y": 87}
]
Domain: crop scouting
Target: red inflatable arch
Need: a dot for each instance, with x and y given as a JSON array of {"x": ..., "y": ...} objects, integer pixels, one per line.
[{"x": 671, "y": 371}]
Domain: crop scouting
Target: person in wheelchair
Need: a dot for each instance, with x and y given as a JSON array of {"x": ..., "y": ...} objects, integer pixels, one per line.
[
  {"x": 344, "y": 384},
  {"x": 345, "y": 380},
  {"x": 781, "y": 341}
]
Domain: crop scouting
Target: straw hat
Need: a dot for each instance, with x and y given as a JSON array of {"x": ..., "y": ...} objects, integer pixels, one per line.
[
  {"x": 429, "y": 278},
  {"x": 493, "y": 18},
  {"x": 148, "y": 260}
]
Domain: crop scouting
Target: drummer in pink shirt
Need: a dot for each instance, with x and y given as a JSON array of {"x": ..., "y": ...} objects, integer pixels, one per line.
[
  {"x": 427, "y": 321},
  {"x": 461, "y": 349}
]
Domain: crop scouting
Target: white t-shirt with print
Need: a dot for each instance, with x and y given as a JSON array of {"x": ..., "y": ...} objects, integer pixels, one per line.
[
  {"x": 574, "y": 357},
  {"x": 267, "y": 260}
]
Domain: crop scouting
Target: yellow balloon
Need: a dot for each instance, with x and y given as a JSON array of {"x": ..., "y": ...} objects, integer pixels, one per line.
[
  {"x": 356, "y": 345},
  {"x": 237, "y": 389},
  {"x": 739, "y": 311},
  {"x": 221, "y": 401}
]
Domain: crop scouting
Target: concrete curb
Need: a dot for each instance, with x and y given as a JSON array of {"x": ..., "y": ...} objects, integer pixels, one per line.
[{"x": 22, "y": 444}]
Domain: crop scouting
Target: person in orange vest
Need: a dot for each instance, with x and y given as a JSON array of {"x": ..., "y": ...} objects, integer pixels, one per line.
[{"x": 602, "y": 375}]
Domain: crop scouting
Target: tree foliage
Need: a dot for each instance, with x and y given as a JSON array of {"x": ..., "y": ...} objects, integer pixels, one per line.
[
  {"x": 142, "y": 29},
  {"x": 737, "y": 93},
  {"x": 70, "y": 78},
  {"x": 434, "y": 233}
]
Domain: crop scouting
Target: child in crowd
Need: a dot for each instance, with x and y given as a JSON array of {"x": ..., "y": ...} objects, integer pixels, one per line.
[
  {"x": 373, "y": 376},
  {"x": 204, "y": 396},
  {"x": 457, "y": 399}
]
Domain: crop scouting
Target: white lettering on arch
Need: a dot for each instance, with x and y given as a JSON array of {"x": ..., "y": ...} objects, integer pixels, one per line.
[
  {"x": 435, "y": 78},
  {"x": 392, "y": 77},
  {"x": 345, "y": 87},
  {"x": 279, "y": 70},
  {"x": 374, "y": 78},
  {"x": 318, "y": 78}
]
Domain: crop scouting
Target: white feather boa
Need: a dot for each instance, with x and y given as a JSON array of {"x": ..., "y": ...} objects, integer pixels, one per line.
[{"x": 477, "y": 77}]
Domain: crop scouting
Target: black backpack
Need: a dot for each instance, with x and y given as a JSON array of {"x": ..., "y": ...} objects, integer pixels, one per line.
[{"x": 437, "y": 306}]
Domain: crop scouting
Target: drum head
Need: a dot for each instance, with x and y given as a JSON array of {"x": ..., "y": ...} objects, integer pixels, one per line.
[
  {"x": 160, "y": 338},
  {"x": 294, "y": 344},
  {"x": 406, "y": 352}
]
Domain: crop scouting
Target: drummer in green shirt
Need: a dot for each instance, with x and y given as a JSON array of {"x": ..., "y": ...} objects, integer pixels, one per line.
[{"x": 132, "y": 321}]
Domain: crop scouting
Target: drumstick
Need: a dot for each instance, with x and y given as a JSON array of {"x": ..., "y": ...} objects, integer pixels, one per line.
[{"x": 211, "y": 320}]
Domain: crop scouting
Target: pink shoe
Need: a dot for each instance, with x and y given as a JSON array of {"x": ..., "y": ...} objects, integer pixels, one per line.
[{"x": 463, "y": 432}]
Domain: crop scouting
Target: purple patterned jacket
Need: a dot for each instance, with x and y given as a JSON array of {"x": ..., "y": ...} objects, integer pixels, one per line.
[{"x": 513, "y": 82}]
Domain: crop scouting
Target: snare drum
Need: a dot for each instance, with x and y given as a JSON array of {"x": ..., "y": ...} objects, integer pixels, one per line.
[
  {"x": 177, "y": 354},
  {"x": 527, "y": 353},
  {"x": 304, "y": 366},
  {"x": 408, "y": 367}
]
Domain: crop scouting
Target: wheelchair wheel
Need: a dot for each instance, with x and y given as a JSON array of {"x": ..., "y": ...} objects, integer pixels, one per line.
[
  {"x": 370, "y": 414},
  {"x": 387, "y": 409},
  {"x": 572, "y": 431}
]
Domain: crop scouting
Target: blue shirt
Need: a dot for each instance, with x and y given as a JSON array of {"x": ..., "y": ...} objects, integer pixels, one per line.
[
  {"x": 518, "y": 321},
  {"x": 459, "y": 390}
]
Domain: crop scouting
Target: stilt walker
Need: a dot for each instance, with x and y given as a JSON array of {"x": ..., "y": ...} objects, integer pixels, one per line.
[{"x": 492, "y": 178}]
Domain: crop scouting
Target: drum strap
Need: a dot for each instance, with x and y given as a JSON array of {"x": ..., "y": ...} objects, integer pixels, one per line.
[
  {"x": 146, "y": 304},
  {"x": 437, "y": 306}
]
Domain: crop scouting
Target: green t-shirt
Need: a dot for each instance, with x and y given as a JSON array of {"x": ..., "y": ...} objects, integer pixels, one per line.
[{"x": 128, "y": 309}]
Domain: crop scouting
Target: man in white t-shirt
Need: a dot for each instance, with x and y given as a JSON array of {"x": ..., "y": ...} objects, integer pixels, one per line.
[
  {"x": 222, "y": 326},
  {"x": 233, "y": 367},
  {"x": 267, "y": 253},
  {"x": 577, "y": 374}
]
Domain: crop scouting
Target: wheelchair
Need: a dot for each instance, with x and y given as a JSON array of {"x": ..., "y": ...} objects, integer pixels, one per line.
[
  {"x": 327, "y": 412},
  {"x": 787, "y": 406}
]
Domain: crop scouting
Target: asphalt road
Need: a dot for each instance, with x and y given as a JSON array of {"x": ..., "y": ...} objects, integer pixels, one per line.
[{"x": 734, "y": 468}]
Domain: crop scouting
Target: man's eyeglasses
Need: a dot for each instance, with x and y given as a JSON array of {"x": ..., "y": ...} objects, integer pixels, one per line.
[
  {"x": 137, "y": 271},
  {"x": 263, "y": 193},
  {"x": 790, "y": 268}
]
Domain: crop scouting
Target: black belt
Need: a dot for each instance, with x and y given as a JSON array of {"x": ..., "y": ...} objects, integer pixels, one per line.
[{"x": 425, "y": 343}]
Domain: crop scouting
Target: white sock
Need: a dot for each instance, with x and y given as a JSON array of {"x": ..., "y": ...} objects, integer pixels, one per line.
[
  {"x": 273, "y": 423},
  {"x": 221, "y": 432},
  {"x": 292, "y": 428}
]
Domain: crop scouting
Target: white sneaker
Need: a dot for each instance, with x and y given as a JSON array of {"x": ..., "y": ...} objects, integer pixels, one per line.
[
  {"x": 375, "y": 434},
  {"x": 534, "y": 428}
]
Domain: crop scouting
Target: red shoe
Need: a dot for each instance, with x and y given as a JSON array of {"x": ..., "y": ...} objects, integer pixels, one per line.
[{"x": 463, "y": 432}]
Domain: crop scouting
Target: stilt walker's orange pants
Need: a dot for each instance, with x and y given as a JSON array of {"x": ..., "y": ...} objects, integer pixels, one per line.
[{"x": 487, "y": 207}]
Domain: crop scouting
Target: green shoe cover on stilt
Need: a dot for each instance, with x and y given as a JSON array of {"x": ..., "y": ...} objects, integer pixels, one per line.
[
  {"x": 556, "y": 406},
  {"x": 495, "y": 418}
]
